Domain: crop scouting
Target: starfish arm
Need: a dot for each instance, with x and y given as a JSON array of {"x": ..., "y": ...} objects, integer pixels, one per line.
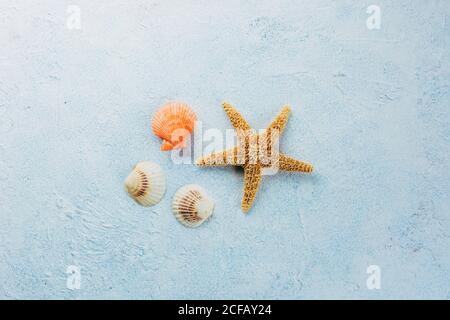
[
  {"x": 237, "y": 120},
  {"x": 252, "y": 179},
  {"x": 279, "y": 123},
  {"x": 287, "y": 163},
  {"x": 221, "y": 159}
]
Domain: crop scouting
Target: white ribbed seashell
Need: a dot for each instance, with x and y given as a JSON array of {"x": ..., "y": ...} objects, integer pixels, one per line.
[
  {"x": 146, "y": 183},
  {"x": 192, "y": 206}
]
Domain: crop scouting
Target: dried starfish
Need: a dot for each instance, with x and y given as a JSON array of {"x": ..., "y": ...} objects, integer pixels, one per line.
[{"x": 250, "y": 150}]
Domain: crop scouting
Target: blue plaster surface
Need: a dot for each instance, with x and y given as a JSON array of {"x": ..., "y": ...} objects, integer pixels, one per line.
[{"x": 370, "y": 111}]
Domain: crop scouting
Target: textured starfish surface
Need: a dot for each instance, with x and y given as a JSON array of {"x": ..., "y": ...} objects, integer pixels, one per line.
[{"x": 255, "y": 152}]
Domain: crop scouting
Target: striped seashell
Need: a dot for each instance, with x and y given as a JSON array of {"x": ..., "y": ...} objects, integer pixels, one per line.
[
  {"x": 173, "y": 123},
  {"x": 192, "y": 206},
  {"x": 146, "y": 184}
]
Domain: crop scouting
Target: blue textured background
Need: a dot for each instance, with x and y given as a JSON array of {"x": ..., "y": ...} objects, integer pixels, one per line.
[{"x": 370, "y": 111}]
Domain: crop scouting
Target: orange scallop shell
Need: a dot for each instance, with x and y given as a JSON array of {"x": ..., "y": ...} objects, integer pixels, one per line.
[{"x": 173, "y": 122}]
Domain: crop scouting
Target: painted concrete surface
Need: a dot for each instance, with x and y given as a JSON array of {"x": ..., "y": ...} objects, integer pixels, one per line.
[{"x": 370, "y": 111}]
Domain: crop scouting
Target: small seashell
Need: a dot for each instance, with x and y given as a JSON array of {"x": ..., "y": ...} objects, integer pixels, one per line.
[
  {"x": 146, "y": 183},
  {"x": 173, "y": 123},
  {"x": 192, "y": 206}
]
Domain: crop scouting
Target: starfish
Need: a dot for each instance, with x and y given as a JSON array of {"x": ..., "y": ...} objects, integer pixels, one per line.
[{"x": 255, "y": 153}]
